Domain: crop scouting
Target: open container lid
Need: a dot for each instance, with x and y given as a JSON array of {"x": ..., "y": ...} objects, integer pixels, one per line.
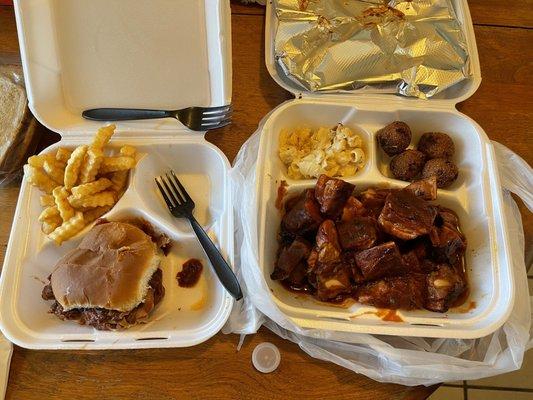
[
  {"x": 161, "y": 54},
  {"x": 477, "y": 197},
  {"x": 158, "y": 54},
  {"x": 447, "y": 98}
]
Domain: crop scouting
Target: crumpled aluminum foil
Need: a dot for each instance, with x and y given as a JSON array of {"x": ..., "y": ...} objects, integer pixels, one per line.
[{"x": 413, "y": 47}]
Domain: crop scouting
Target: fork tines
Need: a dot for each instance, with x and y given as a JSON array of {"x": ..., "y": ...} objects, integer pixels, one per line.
[
  {"x": 215, "y": 117},
  {"x": 173, "y": 191},
  {"x": 217, "y": 110}
]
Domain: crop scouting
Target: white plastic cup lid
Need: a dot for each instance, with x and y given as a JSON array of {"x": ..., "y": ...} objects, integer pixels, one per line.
[{"x": 266, "y": 357}]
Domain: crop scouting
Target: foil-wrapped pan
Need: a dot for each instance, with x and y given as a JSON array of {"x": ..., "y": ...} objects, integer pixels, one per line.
[{"x": 413, "y": 47}]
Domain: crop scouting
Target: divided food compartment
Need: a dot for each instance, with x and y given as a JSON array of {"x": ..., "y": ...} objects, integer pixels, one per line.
[
  {"x": 185, "y": 316},
  {"x": 474, "y": 196},
  {"x": 131, "y": 56}
]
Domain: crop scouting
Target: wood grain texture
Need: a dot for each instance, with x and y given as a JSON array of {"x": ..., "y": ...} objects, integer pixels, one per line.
[
  {"x": 503, "y": 103},
  {"x": 212, "y": 370},
  {"x": 9, "y": 49},
  {"x": 254, "y": 91},
  {"x": 215, "y": 370},
  {"x": 239, "y": 7},
  {"x": 518, "y": 13}
]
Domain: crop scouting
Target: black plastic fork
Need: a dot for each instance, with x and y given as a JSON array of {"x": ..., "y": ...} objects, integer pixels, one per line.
[
  {"x": 181, "y": 205},
  {"x": 195, "y": 118}
]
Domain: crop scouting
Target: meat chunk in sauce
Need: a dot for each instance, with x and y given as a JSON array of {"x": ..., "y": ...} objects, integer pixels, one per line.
[
  {"x": 444, "y": 286},
  {"x": 359, "y": 233},
  {"x": 411, "y": 262},
  {"x": 327, "y": 243},
  {"x": 449, "y": 245},
  {"x": 406, "y": 292},
  {"x": 348, "y": 259},
  {"x": 332, "y": 194},
  {"x": 352, "y": 209},
  {"x": 332, "y": 281},
  {"x": 312, "y": 260},
  {"x": 379, "y": 261},
  {"x": 373, "y": 200},
  {"x": 304, "y": 216},
  {"x": 447, "y": 217},
  {"x": 406, "y": 216},
  {"x": 291, "y": 257},
  {"x": 298, "y": 276},
  {"x": 424, "y": 188},
  {"x": 414, "y": 256}
]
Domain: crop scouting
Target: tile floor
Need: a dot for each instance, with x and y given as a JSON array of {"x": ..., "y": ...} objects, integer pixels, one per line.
[{"x": 517, "y": 385}]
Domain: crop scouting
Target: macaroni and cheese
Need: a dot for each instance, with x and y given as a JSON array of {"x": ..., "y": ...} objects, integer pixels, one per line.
[{"x": 308, "y": 153}]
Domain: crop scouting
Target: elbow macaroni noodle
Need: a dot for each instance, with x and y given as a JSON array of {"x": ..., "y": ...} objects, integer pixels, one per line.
[{"x": 309, "y": 153}]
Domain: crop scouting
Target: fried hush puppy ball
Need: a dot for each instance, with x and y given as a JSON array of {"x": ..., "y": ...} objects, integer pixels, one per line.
[
  {"x": 394, "y": 138},
  {"x": 436, "y": 145},
  {"x": 444, "y": 170},
  {"x": 407, "y": 165}
]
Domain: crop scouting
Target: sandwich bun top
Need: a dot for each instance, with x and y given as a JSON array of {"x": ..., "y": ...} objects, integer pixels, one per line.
[{"x": 109, "y": 269}]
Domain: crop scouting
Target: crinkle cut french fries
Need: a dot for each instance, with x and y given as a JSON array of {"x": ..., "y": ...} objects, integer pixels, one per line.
[{"x": 78, "y": 186}]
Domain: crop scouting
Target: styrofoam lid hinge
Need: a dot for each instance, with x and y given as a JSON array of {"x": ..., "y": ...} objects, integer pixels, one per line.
[
  {"x": 374, "y": 99},
  {"x": 152, "y": 135}
]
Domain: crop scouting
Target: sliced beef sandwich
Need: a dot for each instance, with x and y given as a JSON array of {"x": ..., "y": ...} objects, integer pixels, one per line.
[{"x": 111, "y": 280}]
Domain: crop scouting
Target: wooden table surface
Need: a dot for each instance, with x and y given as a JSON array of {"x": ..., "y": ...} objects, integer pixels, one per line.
[{"x": 214, "y": 369}]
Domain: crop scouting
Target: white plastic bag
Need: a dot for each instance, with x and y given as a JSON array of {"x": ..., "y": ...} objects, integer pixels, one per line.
[{"x": 403, "y": 360}]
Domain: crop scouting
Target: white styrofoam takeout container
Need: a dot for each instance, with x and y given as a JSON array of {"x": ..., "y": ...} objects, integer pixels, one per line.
[
  {"x": 158, "y": 54},
  {"x": 475, "y": 196}
]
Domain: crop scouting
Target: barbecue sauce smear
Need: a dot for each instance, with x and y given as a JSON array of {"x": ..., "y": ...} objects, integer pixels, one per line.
[{"x": 190, "y": 273}]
